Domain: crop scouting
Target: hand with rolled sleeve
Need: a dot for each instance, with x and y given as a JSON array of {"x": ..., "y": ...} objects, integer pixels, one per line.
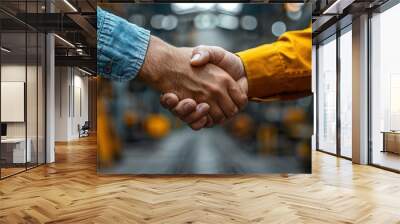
[{"x": 126, "y": 51}]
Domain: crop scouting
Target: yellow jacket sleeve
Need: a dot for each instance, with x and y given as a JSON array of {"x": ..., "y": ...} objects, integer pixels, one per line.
[{"x": 281, "y": 70}]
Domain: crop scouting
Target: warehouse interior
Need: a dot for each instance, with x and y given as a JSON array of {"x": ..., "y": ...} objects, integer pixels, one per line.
[{"x": 49, "y": 114}]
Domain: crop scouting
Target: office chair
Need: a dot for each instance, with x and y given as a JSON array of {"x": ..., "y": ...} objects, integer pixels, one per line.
[{"x": 84, "y": 130}]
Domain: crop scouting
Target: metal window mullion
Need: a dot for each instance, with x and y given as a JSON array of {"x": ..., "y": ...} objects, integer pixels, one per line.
[
  {"x": 369, "y": 100},
  {"x": 26, "y": 86},
  {"x": 73, "y": 92},
  {"x": 45, "y": 95},
  {"x": 338, "y": 98},
  {"x": 316, "y": 97},
  {"x": 0, "y": 94},
  {"x": 37, "y": 91},
  {"x": 69, "y": 92}
]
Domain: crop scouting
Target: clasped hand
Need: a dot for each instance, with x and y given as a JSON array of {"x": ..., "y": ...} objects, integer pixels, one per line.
[{"x": 202, "y": 86}]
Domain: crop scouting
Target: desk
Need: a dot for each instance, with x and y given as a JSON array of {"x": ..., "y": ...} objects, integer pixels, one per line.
[
  {"x": 16, "y": 147},
  {"x": 391, "y": 141}
]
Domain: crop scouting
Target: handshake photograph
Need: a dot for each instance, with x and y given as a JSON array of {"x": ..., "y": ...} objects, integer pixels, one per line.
[
  {"x": 204, "y": 88},
  {"x": 189, "y": 112}
]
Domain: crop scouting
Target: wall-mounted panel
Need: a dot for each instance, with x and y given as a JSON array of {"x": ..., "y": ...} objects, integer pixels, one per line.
[{"x": 12, "y": 101}]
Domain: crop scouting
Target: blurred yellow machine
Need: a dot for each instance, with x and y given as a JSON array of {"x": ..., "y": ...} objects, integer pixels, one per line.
[
  {"x": 303, "y": 150},
  {"x": 267, "y": 138},
  {"x": 109, "y": 144},
  {"x": 294, "y": 115},
  {"x": 157, "y": 125},
  {"x": 131, "y": 118},
  {"x": 242, "y": 126}
]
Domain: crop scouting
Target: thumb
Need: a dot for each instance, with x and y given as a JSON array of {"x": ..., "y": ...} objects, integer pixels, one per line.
[
  {"x": 200, "y": 56},
  {"x": 243, "y": 84},
  {"x": 220, "y": 57}
]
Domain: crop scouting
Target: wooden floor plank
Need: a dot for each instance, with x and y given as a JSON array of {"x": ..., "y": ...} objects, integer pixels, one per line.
[{"x": 70, "y": 191}]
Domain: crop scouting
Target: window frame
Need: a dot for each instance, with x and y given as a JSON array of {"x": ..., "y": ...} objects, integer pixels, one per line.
[
  {"x": 381, "y": 9},
  {"x": 334, "y": 37}
]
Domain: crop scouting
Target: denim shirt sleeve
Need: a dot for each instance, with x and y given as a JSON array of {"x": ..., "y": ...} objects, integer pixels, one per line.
[{"x": 121, "y": 47}]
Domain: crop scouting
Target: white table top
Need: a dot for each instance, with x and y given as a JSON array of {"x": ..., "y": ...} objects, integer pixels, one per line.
[{"x": 13, "y": 140}]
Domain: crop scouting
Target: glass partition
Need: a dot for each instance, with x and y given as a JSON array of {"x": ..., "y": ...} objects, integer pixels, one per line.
[
  {"x": 22, "y": 92},
  {"x": 14, "y": 151}
]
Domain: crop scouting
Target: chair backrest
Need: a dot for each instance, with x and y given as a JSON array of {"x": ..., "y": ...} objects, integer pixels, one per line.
[{"x": 86, "y": 124}]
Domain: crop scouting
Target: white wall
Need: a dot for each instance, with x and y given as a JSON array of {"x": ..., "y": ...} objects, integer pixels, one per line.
[
  {"x": 80, "y": 100},
  {"x": 61, "y": 103},
  {"x": 71, "y": 93}
]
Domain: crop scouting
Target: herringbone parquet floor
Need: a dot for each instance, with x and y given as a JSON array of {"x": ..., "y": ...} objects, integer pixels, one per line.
[{"x": 70, "y": 191}]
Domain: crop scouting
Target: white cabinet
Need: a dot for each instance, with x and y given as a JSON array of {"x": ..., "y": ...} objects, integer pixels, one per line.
[{"x": 18, "y": 149}]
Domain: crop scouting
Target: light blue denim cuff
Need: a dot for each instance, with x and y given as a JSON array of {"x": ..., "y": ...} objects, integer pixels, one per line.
[{"x": 121, "y": 47}]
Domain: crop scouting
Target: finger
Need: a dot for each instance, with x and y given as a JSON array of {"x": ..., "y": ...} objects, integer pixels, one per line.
[
  {"x": 184, "y": 108},
  {"x": 210, "y": 121},
  {"x": 237, "y": 95},
  {"x": 226, "y": 101},
  {"x": 200, "y": 112},
  {"x": 199, "y": 124},
  {"x": 227, "y": 105},
  {"x": 200, "y": 56},
  {"x": 217, "y": 114},
  {"x": 169, "y": 100}
]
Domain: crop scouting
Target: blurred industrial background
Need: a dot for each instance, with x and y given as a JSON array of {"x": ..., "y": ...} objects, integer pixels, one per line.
[{"x": 136, "y": 135}]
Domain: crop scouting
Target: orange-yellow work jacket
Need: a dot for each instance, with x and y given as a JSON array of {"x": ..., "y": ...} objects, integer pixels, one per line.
[{"x": 280, "y": 70}]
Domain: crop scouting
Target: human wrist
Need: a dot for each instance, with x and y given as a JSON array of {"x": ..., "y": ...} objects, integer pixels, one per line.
[
  {"x": 242, "y": 69},
  {"x": 157, "y": 56}
]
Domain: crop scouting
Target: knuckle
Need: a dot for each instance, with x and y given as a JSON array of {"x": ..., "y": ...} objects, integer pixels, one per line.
[
  {"x": 191, "y": 118},
  {"x": 223, "y": 77},
  {"x": 225, "y": 81},
  {"x": 219, "y": 117},
  {"x": 244, "y": 100},
  {"x": 202, "y": 97},
  {"x": 213, "y": 89},
  {"x": 218, "y": 48},
  {"x": 233, "y": 111}
]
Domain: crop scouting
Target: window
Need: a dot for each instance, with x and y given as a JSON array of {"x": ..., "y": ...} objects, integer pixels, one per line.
[
  {"x": 385, "y": 89},
  {"x": 327, "y": 96},
  {"x": 346, "y": 93}
]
